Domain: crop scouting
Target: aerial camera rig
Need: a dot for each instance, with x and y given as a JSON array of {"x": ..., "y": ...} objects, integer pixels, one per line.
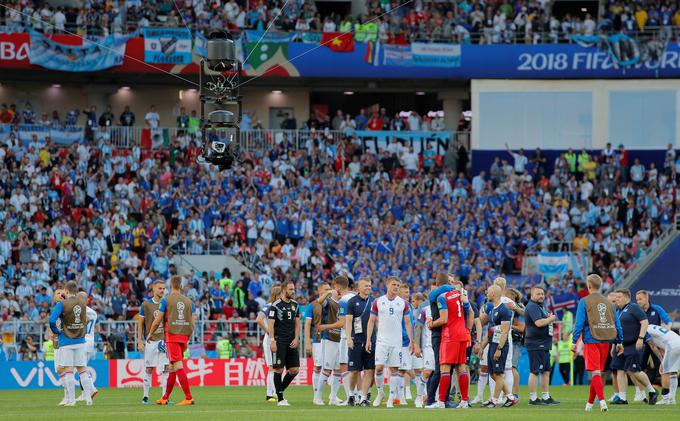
[{"x": 220, "y": 99}]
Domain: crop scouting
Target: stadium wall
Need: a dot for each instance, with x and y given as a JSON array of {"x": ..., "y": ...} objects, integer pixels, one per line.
[{"x": 643, "y": 115}]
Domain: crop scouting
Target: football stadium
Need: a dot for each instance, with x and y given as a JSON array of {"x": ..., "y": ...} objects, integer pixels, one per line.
[{"x": 298, "y": 209}]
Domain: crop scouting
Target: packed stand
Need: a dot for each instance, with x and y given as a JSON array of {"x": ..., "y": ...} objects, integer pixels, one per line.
[
  {"x": 388, "y": 21},
  {"x": 113, "y": 219}
]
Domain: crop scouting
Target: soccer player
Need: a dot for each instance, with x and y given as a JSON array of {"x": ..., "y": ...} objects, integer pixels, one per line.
[
  {"x": 155, "y": 355},
  {"x": 634, "y": 325},
  {"x": 73, "y": 354},
  {"x": 261, "y": 320},
  {"x": 453, "y": 308},
  {"x": 330, "y": 348},
  {"x": 406, "y": 366},
  {"x": 656, "y": 315},
  {"x": 313, "y": 320},
  {"x": 389, "y": 311},
  {"x": 59, "y": 296},
  {"x": 500, "y": 317},
  {"x": 356, "y": 324},
  {"x": 613, "y": 362},
  {"x": 595, "y": 321},
  {"x": 538, "y": 341},
  {"x": 423, "y": 363},
  {"x": 284, "y": 325},
  {"x": 667, "y": 343},
  {"x": 177, "y": 312},
  {"x": 341, "y": 285},
  {"x": 89, "y": 342},
  {"x": 433, "y": 381}
]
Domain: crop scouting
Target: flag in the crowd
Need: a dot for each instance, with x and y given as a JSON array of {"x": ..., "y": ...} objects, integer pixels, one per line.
[
  {"x": 201, "y": 45},
  {"x": 550, "y": 264},
  {"x": 561, "y": 302},
  {"x": 372, "y": 53},
  {"x": 154, "y": 138},
  {"x": 311, "y": 37},
  {"x": 341, "y": 42},
  {"x": 167, "y": 45},
  {"x": 254, "y": 35},
  {"x": 269, "y": 58}
]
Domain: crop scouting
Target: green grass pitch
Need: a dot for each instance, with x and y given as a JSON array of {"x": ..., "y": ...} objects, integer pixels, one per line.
[{"x": 247, "y": 404}]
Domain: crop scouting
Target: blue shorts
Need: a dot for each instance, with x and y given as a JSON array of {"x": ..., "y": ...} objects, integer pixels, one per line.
[
  {"x": 539, "y": 361},
  {"x": 632, "y": 362},
  {"x": 359, "y": 359},
  {"x": 617, "y": 362},
  {"x": 497, "y": 366}
]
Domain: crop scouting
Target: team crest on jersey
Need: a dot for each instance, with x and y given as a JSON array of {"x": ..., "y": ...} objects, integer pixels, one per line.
[
  {"x": 77, "y": 311},
  {"x": 180, "y": 310}
]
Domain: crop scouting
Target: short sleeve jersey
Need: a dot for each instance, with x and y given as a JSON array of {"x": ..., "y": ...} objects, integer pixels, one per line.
[
  {"x": 499, "y": 315},
  {"x": 343, "y": 310},
  {"x": 536, "y": 338},
  {"x": 425, "y": 315},
  {"x": 630, "y": 317},
  {"x": 664, "y": 338},
  {"x": 285, "y": 316},
  {"x": 455, "y": 329},
  {"x": 359, "y": 308},
  {"x": 391, "y": 313}
]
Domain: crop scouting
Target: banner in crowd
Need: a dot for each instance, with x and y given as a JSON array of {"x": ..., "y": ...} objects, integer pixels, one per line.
[
  {"x": 154, "y": 138},
  {"x": 60, "y": 135},
  {"x": 167, "y": 45},
  {"x": 624, "y": 50},
  {"x": 130, "y": 373},
  {"x": 561, "y": 302},
  {"x": 435, "y": 54},
  {"x": 254, "y": 35},
  {"x": 91, "y": 56},
  {"x": 375, "y": 141},
  {"x": 551, "y": 264},
  {"x": 201, "y": 45}
]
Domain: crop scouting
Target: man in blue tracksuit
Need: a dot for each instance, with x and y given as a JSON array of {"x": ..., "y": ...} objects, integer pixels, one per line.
[{"x": 656, "y": 315}]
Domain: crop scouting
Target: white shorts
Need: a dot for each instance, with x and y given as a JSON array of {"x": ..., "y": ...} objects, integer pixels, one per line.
[
  {"x": 344, "y": 351},
  {"x": 406, "y": 359},
  {"x": 57, "y": 359},
  {"x": 317, "y": 354},
  {"x": 91, "y": 351},
  {"x": 331, "y": 354},
  {"x": 426, "y": 362},
  {"x": 386, "y": 355},
  {"x": 508, "y": 361},
  {"x": 154, "y": 356},
  {"x": 671, "y": 362},
  {"x": 73, "y": 355},
  {"x": 267, "y": 351}
]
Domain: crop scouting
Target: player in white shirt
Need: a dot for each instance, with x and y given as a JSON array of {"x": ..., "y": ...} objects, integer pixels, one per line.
[
  {"x": 423, "y": 361},
  {"x": 261, "y": 320},
  {"x": 345, "y": 295},
  {"x": 406, "y": 366},
  {"x": 89, "y": 342},
  {"x": 666, "y": 344},
  {"x": 390, "y": 311}
]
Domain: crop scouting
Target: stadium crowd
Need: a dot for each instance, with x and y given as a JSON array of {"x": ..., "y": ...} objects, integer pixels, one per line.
[
  {"x": 113, "y": 219},
  {"x": 388, "y": 21}
]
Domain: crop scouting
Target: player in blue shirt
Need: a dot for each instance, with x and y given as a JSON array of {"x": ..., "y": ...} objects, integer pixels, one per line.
[
  {"x": 634, "y": 326},
  {"x": 656, "y": 315}
]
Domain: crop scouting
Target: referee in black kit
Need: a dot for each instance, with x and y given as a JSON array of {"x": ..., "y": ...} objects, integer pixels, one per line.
[{"x": 284, "y": 321}]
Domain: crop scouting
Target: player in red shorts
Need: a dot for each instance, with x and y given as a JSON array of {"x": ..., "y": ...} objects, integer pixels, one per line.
[
  {"x": 177, "y": 312},
  {"x": 453, "y": 306},
  {"x": 595, "y": 321}
]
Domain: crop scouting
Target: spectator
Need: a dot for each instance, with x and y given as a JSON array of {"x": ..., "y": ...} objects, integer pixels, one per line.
[{"x": 152, "y": 118}]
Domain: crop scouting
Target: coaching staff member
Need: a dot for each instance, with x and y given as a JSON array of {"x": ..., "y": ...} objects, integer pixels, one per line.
[{"x": 538, "y": 342}]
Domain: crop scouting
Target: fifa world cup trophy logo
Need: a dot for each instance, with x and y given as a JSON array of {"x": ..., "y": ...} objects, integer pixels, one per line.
[
  {"x": 602, "y": 309},
  {"x": 77, "y": 310},
  {"x": 180, "y": 310}
]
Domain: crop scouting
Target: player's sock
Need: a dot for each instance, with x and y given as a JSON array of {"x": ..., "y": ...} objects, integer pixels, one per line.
[
  {"x": 481, "y": 385},
  {"x": 464, "y": 385},
  {"x": 71, "y": 386},
  {"x": 591, "y": 393},
  {"x": 598, "y": 386},
  {"x": 170, "y": 384},
  {"x": 162, "y": 379},
  {"x": 650, "y": 388},
  {"x": 509, "y": 379},
  {"x": 345, "y": 383},
  {"x": 623, "y": 396},
  {"x": 277, "y": 385},
  {"x": 64, "y": 384},
  {"x": 420, "y": 386},
  {"x": 147, "y": 384},
  {"x": 444, "y": 384},
  {"x": 88, "y": 385},
  {"x": 335, "y": 386},
  {"x": 287, "y": 379},
  {"x": 315, "y": 380},
  {"x": 394, "y": 386},
  {"x": 533, "y": 396},
  {"x": 318, "y": 392},
  {"x": 545, "y": 395},
  {"x": 492, "y": 384},
  {"x": 271, "y": 390},
  {"x": 402, "y": 388},
  {"x": 184, "y": 383},
  {"x": 379, "y": 380},
  {"x": 673, "y": 386}
]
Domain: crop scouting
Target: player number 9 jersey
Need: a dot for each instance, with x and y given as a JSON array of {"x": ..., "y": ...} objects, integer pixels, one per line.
[{"x": 390, "y": 314}]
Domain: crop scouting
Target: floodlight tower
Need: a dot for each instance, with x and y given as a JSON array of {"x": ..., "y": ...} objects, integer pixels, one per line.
[{"x": 220, "y": 99}]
